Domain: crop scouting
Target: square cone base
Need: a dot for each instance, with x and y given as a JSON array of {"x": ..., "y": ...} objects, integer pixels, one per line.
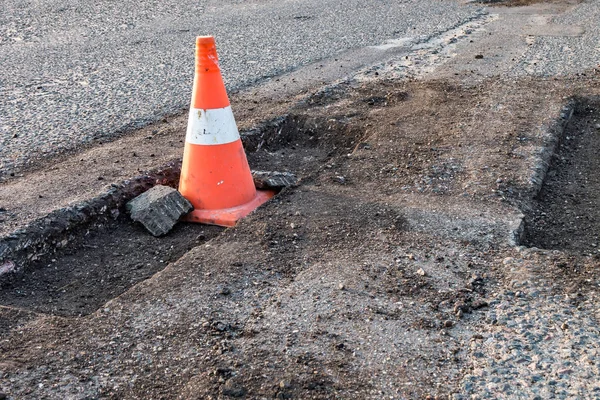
[{"x": 229, "y": 216}]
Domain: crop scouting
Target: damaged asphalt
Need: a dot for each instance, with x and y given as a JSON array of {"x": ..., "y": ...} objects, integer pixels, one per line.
[{"x": 395, "y": 268}]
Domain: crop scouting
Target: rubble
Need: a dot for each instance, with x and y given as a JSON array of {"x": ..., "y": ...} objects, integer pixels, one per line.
[
  {"x": 159, "y": 209},
  {"x": 273, "y": 179}
]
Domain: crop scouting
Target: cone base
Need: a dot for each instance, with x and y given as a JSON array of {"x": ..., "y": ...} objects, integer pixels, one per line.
[{"x": 229, "y": 216}]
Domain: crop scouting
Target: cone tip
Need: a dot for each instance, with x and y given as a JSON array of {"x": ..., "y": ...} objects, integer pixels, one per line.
[{"x": 205, "y": 40}]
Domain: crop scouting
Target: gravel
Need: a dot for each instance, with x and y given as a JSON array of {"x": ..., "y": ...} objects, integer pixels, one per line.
[
  {"x": 539, "y": 343},
  {"x": 555, "y": 55}
]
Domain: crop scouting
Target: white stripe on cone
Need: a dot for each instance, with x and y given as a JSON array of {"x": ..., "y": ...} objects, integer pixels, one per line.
[{"x": 212, "y": 126}]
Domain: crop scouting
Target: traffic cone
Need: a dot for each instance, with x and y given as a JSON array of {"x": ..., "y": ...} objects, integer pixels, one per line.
[{"x": 215, "y": 176}]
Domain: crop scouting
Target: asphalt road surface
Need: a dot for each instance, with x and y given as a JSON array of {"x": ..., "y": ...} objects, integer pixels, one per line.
[{"x": 79, "y": 70}]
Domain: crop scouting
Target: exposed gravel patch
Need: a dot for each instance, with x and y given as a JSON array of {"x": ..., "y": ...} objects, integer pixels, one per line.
[
  {"x": 559, "y": 52},
  {"x": 538, "y": 342}
]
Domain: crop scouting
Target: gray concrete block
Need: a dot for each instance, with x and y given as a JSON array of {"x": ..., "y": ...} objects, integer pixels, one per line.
[
  {"x": 159, "y": 209},
  {"x": 273, "y": 179}
]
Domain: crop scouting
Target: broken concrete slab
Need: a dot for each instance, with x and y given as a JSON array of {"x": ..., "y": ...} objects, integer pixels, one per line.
[
  {"x": 273, "y": 179},
  {"x": 159, "y": 209}
]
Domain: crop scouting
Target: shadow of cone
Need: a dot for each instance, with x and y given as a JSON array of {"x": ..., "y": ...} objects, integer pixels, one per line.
[{"x": 215, "y": 176}]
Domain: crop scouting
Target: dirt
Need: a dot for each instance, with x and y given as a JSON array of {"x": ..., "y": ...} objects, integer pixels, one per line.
[
  {"x": 565, "y": 215},
  {"x": 99, "y": 263},
  {"x": 371, "y": 279},
  {"x": 81, "y": 275},
  {"x": 368, "y": 280}
]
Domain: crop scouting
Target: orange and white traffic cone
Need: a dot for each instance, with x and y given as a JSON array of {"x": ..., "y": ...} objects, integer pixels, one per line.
[{"x": 215, "y": 176}]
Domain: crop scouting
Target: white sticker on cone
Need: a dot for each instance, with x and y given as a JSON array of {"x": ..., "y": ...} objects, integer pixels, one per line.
[{"x": 212, "y": 126}]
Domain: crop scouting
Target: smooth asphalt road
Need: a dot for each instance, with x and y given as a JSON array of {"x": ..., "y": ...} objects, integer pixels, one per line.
[{"x": 77, "y": 70}]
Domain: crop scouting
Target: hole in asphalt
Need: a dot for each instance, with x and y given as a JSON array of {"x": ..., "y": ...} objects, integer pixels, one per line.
[
  {"x": 566, "y": 213},
  {"x": 100, "y": 263},
  {"x": 104, "y": 259},
  {"x": 299, "y": 131}
]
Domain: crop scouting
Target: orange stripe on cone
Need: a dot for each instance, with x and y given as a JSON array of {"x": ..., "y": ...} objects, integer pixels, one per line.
[{"x": 215, "y": 176}]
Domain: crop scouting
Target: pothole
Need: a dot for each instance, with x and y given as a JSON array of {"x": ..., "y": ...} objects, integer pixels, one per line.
[
  {"x": 100, "y": 263},
  {"x": 566, "y": 214},
  {"x": 102, "y": 259},
  {"x": 316, "y": 135}
]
